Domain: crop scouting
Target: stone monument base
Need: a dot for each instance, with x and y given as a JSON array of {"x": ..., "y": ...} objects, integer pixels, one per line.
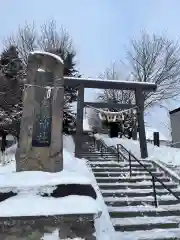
[{"x": 34, "y": 228}]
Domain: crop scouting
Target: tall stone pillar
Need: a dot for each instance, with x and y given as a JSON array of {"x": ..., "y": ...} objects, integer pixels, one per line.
[{"x": 41, "y": 139}]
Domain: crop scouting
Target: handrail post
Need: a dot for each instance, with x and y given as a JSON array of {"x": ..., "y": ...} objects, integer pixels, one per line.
[
  {"x": 94, "y": 141},
  {"x": 101, "y": 150},
  {"x": 118, "y": 152},
  {"x": 130, "y": 165},
  {"x": 154, "y": 192},
  {"x": 98, "y": 146},
  {"x": 154, "y": 178}
]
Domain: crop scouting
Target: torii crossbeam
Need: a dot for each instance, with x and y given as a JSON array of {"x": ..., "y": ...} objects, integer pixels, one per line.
[{"x": 137, "y": 87}]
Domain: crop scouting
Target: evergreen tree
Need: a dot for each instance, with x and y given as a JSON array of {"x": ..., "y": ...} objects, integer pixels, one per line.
[
  {"x": 10, "y": 63},
  {"x": 70, "y": 94},
  {"x": 11, "y": 86}
]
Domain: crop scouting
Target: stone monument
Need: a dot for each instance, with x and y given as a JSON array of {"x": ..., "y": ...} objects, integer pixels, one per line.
[
  {"x": 40, "y": 144},
  {"x": 40, "y": 148}
]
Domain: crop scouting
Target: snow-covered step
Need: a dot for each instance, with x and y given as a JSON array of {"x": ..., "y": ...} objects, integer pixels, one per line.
[
  {"x": 128, "y": 179},
  {"x": 134, "y": 193},
  {"x": 100, "y": 154},
  {"x": 105, "y": 160},
  {"x": 131, "y": 199},
  {"x": 102, "y": 163},
  {"x": 126, "y": 201},
  {"x": 145, "y": 173},
  {"x": 95, "y": 156},
  {"x": 114, "y": 164},
  {"x": 145, "y": 223},
  {"x": 105, "y": 164},
  {"x": 118, "y": 169},
  {"x": 162, "y": 197},
  {"x": 140, "y": 185},
  {"x": 102, "y": 169},
  {"x": 155, "y": 234},
  {"x": 140, "y": 210},
  {"x": 118, "y": 174}
]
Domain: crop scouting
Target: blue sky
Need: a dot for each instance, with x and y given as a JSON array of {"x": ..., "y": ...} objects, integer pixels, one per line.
[{"x": 101, "y": 29}]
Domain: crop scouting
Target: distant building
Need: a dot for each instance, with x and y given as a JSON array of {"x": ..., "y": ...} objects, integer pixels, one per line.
[{"x": 175, "y": 126}]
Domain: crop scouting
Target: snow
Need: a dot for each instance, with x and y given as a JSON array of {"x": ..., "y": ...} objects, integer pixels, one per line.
[
  {"x": 132, "y": 199},
  {"x": 149, "y": 134},
  {"x": 145, "y": 220},
  {"x": 8, "y": 137},
  {"x": 103, "y": 225},
  {"x": 161, "y": 156},
  {"x": 55, "y": 236},
  {"x": 40, "y": 70},
  {"x": 143, "y": 235},
  {"x": 75, "y": 170},
  {"x": 86, "y": 126},
  {"x": 134, "y": 190},
  {"x": 167, "y": 155},
  {"x": 59, "y": 59},
  {"x": 21, "y": 205},
  {"x": 39, "y": 178},
  {"x": 115, "y": 81},
  {"x": 30, "y": 183},
  {"x": 137, "y": 208}
]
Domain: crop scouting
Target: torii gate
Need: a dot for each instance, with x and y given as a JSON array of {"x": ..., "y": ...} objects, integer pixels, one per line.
[{"x": 137, "y": 87}]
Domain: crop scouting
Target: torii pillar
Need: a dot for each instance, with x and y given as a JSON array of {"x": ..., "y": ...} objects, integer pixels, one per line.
[{"x": 141, "y": 126}]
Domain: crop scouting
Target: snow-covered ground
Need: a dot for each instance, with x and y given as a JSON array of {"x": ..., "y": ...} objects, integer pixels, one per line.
[
  {"x": 75, "y": 170},
  {"x": 149, "y": 134},
  {"x": 167, "y": 155}
]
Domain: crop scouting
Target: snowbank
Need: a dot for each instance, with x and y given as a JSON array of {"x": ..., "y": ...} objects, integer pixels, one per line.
[
  {"x": 39, "y": 178},
  {"x": 55, "y": 236},
  {"x": 21, "y": 205},
  {"x": 29, "y": 183},
  {"x": 149, "y": 134},
  {"x": 76, "y": 168},
  {"x": 167, "y": 155},
  {"x": 86, "y": 126},
  {"x": 68, "y": 144}
]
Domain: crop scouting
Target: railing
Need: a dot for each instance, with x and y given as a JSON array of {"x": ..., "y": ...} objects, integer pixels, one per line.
[
  {"x": 104, "y": 149},
  {"x": 128, "y": 156}
]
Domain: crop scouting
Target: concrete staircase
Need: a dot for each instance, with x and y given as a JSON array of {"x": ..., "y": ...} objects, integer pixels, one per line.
[{"x": 130, "y": 200}]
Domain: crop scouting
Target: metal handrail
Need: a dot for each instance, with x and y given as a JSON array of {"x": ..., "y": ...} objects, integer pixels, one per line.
[
  {"x": 149, "y": 171},
  {"x": 104, "y": 147}
]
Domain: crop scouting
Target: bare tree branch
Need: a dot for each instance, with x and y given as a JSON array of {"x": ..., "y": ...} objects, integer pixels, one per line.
[
  {"x": 156, "y": 59},
  {"x": 153, "y": 59},
  {"x": 25, "y": 41},
  {"x": 112, "y": 95},
  {"x": 50, "y": 39}
]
